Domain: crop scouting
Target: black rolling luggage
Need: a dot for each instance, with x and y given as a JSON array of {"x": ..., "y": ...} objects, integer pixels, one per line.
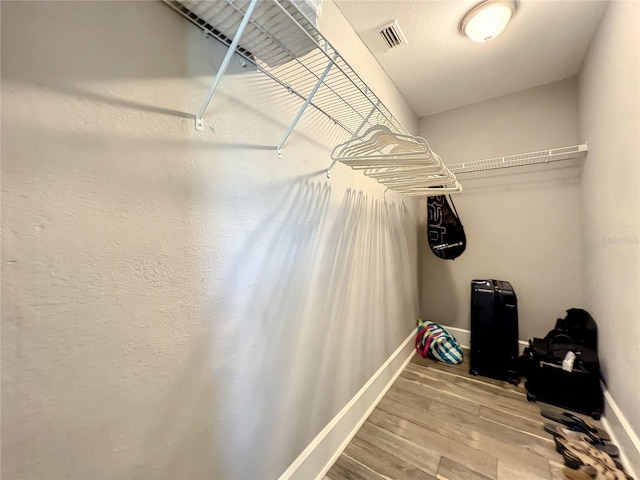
[{"x": 494, "y": 330}]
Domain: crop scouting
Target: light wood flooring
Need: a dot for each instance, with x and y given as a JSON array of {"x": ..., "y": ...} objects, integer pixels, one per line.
[{"x": 439, "y": 422}]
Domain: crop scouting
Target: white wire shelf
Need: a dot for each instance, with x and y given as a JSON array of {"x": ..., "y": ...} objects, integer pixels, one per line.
[
  {"x": 520, "y": 160},
  {"x": 321, "y": 77}
]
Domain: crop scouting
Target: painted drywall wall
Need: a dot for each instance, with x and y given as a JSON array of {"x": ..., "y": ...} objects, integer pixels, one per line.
[
  {"x": 179, "y": 304},
  {"x": 609, "y": 119},
  {"x": 521, "y": 225}
]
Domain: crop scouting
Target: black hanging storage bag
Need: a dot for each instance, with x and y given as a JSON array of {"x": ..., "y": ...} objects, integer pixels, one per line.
[{"x": 445, "y": 232}]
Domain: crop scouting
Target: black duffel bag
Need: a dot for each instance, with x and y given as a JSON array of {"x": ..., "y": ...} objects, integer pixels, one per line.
[
  {"x": 563, "y": 373},
  {"x": 580, "y": 326}
]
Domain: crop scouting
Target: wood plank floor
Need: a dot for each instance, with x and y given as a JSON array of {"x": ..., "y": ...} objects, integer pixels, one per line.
[{"x": 439, "y": 422}]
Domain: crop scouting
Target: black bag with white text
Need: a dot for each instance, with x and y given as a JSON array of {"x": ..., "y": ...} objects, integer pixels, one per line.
[{"x": 445, "y": 232}]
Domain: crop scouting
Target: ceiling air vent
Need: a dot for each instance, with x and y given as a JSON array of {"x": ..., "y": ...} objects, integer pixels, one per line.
[{"x": 391, "y": 35}]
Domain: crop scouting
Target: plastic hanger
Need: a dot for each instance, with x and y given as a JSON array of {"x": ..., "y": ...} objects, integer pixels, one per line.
[
  {"x": 380, "y": 142},
  {"x": 402, "y": 163}
]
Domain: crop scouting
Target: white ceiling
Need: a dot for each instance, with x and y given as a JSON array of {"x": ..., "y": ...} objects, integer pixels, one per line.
[{"x": 439, "y": 69}]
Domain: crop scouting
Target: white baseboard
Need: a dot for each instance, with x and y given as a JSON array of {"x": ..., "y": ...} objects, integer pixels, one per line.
[
  {"x": 464, "y": 338},
  {"x": 316, "y": 460},
  {"x": 622, "y": 434}
]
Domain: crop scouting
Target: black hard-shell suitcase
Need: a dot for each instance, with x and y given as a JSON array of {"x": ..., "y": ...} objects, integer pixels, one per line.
[
  {"x": 494, "y": 330},
  {"x": 578, "y": 389}
]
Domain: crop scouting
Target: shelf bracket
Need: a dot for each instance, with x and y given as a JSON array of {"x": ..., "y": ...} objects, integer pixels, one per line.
[
  {"x": 225, "y": 64},
  {"x": 355, "y": 134},
  {"x": 305, "y": 105}
]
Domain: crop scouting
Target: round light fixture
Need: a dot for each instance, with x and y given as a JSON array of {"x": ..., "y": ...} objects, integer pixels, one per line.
[{"x": 487, "y": 20}]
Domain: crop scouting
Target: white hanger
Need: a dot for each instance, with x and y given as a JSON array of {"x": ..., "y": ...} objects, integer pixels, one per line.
[
  {"x": 403, "y": 163},
  {"x": 380, "y": 142}
]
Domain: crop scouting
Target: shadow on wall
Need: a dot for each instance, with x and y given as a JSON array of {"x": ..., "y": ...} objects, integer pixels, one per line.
[
  {"x": 369, "y": 295},
  {"x": 438, "y": 298},
  {"x": 94, "y": 23},
  {"x": 80, "y": 59},
  {"x": 315, "y": 303},
  {"x": 267, "y": 287}
]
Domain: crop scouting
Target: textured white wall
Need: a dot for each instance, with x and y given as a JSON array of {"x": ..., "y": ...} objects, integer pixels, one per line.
[
  {"x": 179, "y": 304},
  {"x": 609, "y": 119},
  {"x": 520, "y": 227}
]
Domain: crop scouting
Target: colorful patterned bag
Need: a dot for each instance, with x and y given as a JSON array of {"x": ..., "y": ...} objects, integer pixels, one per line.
[{"x": 435, "y": 342}]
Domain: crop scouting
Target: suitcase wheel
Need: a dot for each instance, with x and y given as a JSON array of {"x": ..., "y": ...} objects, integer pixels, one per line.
[
  {"x": 473, "y": 372},
  {"x": 596, "y": 415},
  {"x": 514, "y": 381},
  {"x": 531, "y": 397}
]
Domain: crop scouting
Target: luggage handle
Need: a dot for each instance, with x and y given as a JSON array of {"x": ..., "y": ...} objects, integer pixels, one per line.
[{"x": 562, "y": 335}]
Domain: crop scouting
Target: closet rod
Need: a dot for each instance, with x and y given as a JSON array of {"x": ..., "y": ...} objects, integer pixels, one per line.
[{"x": 520, "y": 160}]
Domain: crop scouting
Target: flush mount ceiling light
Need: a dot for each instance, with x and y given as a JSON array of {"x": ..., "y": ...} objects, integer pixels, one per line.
[{"x": 487, "y": 20}]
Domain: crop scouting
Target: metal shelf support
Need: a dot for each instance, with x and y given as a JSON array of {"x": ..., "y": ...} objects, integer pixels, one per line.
[
  {"x": 281, "y": 39},
  {"x": 305, "y": 105},
  {"x": 225, "y": 64}
]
